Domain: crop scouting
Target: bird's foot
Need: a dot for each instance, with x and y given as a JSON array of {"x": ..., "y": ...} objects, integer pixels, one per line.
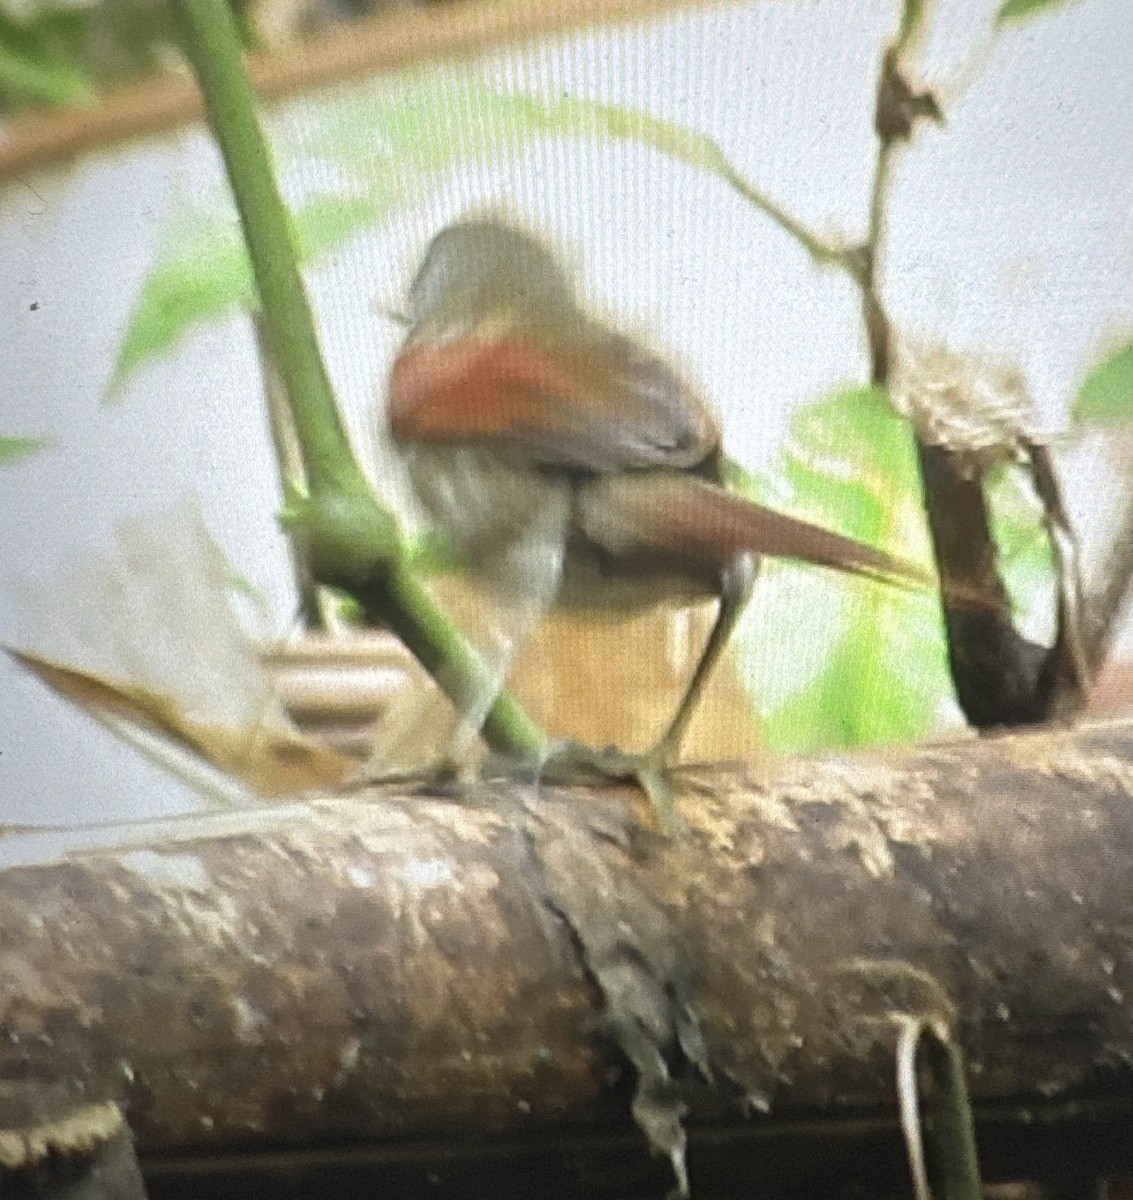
[{"x": 575, "y": 762}]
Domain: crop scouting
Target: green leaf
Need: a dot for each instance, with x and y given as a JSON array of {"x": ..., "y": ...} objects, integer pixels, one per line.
[
  {"x": 1018, "y": 524},
  {"x": 16, "y": 449},
  {"x": 818, "y": 716},
  {"x": 834, "y": 661},
  {"x": 851, "y": 460},
  {"x": 1106, "y": 396},
  {"x": 1025, "y": 555},
  {"x": 882, "y": 681},
  {"x": 1020, "y": 10},
  {"x": 35, "y": 68},
  {"x": 201, "y": 278},
  {"x": 438, "y": 126},
  {"x": 205, "y": 273}
]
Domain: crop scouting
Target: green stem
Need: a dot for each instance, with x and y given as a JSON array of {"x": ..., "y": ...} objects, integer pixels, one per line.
[
  {"x": 455, "y": 665},
  {"x": 351, "y": 540},
  {"x": 289, "y": 461},
  {"x": 822, "y": 252},
  {"x": 28, "y": 77},
  {"x": 212, "y": 41}
]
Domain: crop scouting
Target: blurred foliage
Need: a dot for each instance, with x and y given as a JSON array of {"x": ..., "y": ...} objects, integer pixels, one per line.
[
  {"x": 39, "y": 60},
  {"x": 15, "y": 449},
  {"x": 58, "y": 52},
  {"x": 54, "y": 53},
  {"x": 831, "y": 663},
  {"x": 203, "y": 271},
  {"x": 857, "y": 663},
  {"x": 1106, "y": 396},
  {"x": 1018, "y": 10},
  {"x": 381, "y": 153},
  {"x": 850, "y": 663}
]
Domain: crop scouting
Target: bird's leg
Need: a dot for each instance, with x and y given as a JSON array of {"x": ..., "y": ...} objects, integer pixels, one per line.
[
  {"x": 524, "y": 583},
  {"x": 650, "y": 770},
  {"x": 522, "y": 587},
  {"x": 736, "y": 583}
]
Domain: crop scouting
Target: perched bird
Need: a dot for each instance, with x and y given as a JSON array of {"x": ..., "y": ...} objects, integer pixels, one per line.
[{"x": 567, "y": 461}]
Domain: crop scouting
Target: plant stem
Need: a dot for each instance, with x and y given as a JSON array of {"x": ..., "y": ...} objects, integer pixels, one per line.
[
  {"x": 213, "y": 44},
  {"x": 1000, "y": 678},
  {"x": 878, "y": 331},
  {"x": 951, "y": 1140},
  {"x": 823, "y": 253},
  {"x": 451, "y": 660},
  {"x": 289, "y": 461},
  {"x": 348, "y": 538}
]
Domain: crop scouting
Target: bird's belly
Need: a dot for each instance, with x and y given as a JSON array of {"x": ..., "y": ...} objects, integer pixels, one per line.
[
  {"x": 593, "y": 580},
  {"x": 485, "y": 503}
]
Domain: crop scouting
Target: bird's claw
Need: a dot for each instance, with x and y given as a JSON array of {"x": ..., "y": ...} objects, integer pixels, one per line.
[{"x": 575, "y": 762}]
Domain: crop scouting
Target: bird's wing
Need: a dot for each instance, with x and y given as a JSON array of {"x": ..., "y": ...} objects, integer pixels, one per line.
[{"x": 599, "y": 404}]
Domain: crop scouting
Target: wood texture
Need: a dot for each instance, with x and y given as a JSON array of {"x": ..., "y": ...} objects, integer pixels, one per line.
[{"x": 515, "y": 959}]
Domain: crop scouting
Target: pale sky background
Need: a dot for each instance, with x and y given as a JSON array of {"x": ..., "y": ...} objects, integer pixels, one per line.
[{"x": 1011, "y": 232}]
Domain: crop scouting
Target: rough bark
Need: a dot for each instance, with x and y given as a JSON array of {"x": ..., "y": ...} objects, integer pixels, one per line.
[{"x": 516, "y": 959}]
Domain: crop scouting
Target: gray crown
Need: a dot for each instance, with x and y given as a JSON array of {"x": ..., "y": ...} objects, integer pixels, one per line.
[{"x": 485, "y": 264}]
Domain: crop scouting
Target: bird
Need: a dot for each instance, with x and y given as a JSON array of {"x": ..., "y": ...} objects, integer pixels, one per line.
[{"x": 569, "y": 463}]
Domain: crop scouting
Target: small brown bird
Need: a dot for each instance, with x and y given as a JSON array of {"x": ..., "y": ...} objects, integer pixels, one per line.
[{"x": 569, "y": 462}]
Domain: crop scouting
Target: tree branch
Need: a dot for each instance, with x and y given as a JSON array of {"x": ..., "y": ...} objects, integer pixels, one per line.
[
  {"x": 394, "y": 965},
  {"x": 1001, "y": 678},
  {"x": 392, "y": 42}
]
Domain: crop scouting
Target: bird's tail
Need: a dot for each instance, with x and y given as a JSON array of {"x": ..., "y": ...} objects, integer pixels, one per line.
[{"x": 691, "y": 519}]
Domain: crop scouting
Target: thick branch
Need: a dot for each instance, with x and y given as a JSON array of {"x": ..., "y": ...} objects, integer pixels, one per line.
[{"x": 388, "y": 965}]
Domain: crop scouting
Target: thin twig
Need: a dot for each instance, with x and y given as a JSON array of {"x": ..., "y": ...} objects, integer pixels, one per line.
[
  {"x": 878, "y": 332},
  {"x": 898, "y": 109},
  {"x": 824, "y": 253}
]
